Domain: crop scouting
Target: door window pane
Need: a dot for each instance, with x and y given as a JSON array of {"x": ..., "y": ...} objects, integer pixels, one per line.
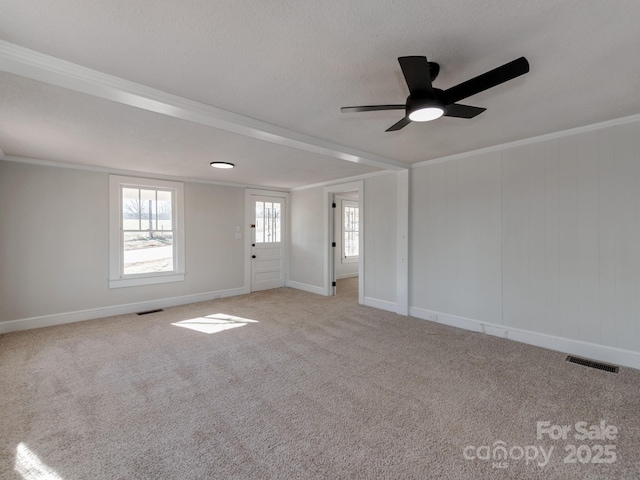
[{"x": 268, "y": 222}]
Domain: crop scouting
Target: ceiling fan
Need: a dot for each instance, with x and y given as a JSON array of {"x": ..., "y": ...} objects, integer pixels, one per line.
[{"x": 426, "y": 103}]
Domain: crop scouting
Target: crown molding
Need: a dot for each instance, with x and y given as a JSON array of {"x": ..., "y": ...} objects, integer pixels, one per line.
[
  {"x": 131, "y": 173},
  {"x": 28, "y": 63},
  {"x": 135, "y": 173}
]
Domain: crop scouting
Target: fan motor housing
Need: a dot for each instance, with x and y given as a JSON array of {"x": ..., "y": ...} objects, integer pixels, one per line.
[{"x": 419, "y": 100}]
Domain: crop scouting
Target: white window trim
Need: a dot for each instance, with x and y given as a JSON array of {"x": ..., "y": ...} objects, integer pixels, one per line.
[
  {"x": 116, "y": 277},
  {"x": 343, "y": 204}
]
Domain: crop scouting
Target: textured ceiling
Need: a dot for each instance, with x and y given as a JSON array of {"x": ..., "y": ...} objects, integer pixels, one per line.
[{"x": 294, "y": 64}]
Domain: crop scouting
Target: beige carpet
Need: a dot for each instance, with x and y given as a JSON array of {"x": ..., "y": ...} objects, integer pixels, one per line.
[
  {"x": 314, "y": 387},
  {"x": 348, "y": 289}
]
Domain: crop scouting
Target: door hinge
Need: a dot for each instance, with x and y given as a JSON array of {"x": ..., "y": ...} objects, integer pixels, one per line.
[
  {"x": 333, "y": 205},
  {"x": 333, "y": 244},
  {"x": 333, "y": 284}
]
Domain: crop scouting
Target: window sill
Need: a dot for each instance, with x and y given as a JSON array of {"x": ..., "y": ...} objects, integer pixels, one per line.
[{"x": 145, "y": 280}]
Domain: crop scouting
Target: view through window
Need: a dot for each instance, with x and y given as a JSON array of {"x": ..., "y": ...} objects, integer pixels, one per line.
[
  {"x": 351, "y": 230},
  {"x": 147, "y": 230},
  {"x": 268, "y": 222}
]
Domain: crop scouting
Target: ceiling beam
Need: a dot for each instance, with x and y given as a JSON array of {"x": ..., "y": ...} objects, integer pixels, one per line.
[{"x": 28, "y": 63}]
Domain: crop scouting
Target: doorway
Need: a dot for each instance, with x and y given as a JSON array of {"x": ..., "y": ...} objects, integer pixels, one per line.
[
  {"x": 344, "y": 259},
  {"x": 346, "y": 236}
]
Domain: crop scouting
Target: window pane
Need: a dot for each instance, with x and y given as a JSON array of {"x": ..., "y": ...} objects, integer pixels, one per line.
[
  {"x": 146, "y": 209},
  {"x": 259, "y": 222},
  {"x": 351, "y": 231},
  {"x": 146, "y": 252},
  {"x": 274, "y": 230},
  {"x": 131, "y": 209},
  {"x": 130, "y": 193},
  {"x": 268, "y": 222},
  {"x": 146, "y": 194},
  {"x": 351, "y": 242},
  {"x": 165, "y": 220},
  {"x": 148, "y": 213}
]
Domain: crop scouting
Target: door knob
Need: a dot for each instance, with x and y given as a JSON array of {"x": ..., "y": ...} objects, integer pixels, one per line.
[{"x": 253, "y": 256}]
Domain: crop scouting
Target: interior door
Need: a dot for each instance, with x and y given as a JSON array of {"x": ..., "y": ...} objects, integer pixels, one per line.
[{"x": 267, "y": 242}]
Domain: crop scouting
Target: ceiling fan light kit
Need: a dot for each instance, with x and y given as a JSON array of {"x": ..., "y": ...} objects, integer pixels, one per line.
[
  {"x": 424, "y": 109},
  {"x": 426, "y": 103}
]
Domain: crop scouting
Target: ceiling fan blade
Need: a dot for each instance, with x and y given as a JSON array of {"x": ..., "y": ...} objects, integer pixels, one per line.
[
  {"x": 372, "y": 108},
  {"x": 463, "y": 111},
  {"x": 416, "y": 72},
  {"x": 487, "y": 80},
  {"x": 397, "y": 126}
]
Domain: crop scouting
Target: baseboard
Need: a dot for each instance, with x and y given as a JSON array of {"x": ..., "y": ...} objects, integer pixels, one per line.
[
  {"x": 381, "y": 304},
  {"x": 94, "y": 313},
  {"x": 346, "y": 275},
  {"x": 616, "y": 356},
  {"x": 306, "y": 287}
]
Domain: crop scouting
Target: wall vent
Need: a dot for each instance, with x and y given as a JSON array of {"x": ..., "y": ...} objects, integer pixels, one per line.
[
  {"x": 593, "y": 364},
  {"x": 150, "y": 311}
]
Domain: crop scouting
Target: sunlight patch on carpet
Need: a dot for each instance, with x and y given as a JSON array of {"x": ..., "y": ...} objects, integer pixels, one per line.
[
  {"x": 31, "y": 467},
  {"x": 215, "y": 323}
]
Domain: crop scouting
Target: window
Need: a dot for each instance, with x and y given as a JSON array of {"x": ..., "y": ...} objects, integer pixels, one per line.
[
  {"x": 350, "y": 231},
  {"x": 146, "y": 231},
  {"x": 268, "y": 216}
]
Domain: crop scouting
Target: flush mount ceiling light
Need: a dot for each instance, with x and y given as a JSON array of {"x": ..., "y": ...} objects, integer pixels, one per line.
[{"x": 222, "y": 165}]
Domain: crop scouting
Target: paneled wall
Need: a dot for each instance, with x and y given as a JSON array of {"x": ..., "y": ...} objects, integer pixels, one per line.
[
  {"x": 380, "y": 262},
  {"x": 455, "y": 245},
  {"x": 543, "y": 237}
]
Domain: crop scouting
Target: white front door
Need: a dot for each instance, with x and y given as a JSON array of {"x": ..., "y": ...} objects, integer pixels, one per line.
[{"x": 268, "y": 237}]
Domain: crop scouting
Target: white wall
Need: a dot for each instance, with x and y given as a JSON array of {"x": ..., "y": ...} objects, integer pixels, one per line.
[
  {"x": 380, "y": 261},
  {"x": 54, "y": 244},
  {"x": 306, "y": 249},
  {"x": 455, "y": 247},
  {"x": 537, "y": 242},
  {"x": 380, "y": 215},
  {"x": 541, "y": 237},
  {"x": 54, "y": 257}
]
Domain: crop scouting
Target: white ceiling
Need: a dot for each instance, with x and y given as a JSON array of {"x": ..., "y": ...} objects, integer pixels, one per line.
[{"x": 290, "y": 66}]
